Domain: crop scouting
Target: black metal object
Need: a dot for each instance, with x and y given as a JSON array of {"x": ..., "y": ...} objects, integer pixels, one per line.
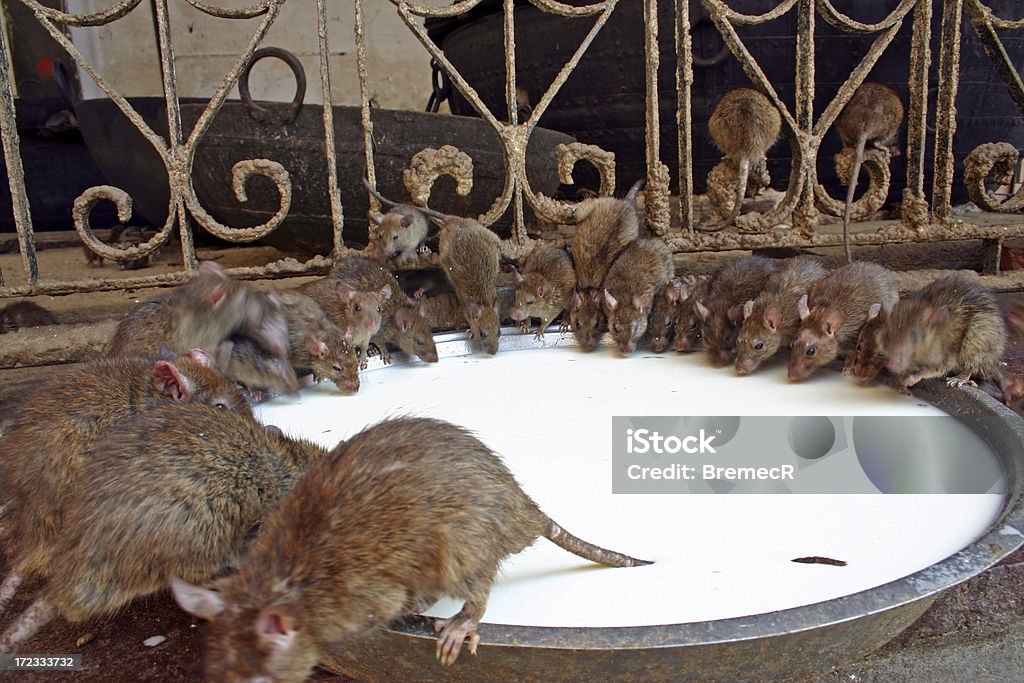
[{"x": 786, "y": 645}]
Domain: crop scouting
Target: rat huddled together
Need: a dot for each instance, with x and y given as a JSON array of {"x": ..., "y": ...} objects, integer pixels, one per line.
[{"x": 148, "y": 470}]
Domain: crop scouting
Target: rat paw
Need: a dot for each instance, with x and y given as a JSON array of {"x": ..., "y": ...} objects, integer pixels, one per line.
[
  {"x": 958, "y": 381},
  {"x": 524, "y": 326},
  {"x": 424, "y": 250},
  {"x": 453, "y": 633}
]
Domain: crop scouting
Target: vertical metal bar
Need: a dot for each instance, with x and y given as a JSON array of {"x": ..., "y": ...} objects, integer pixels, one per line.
[
  {"x": 917, "y": 116},
  {"x": 15, "y": 168},
  {"x": 803, "y": 171},
  {"x": 684, "y": 111},
  {"x": 653, "y": 59},
  {"x": 364, "y": 109},
  {"x": 945, "y": 117},
  {"x": 176, "y": 177},
  {"x": 510, "y": 63},
  {"x": 514, "y": 167},
  {"x": 337, "y": 212}
]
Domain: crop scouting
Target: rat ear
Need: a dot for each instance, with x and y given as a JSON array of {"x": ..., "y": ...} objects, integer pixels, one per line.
[
  {"x": 403, "y": 318},
  {"x": 873, "y": 311},
  {"x": 384, "y": 294},
  {"x": 473, "y": 310},
  {"x": 165, "y": 352},
  {"x": 406, "y": 221},
  {"x": 610, "y": 300},
  {"x": 577, "y": 300},
  {"x": 170, "y": 381},
  {"x": 934, "y": 317},
  {"x": 702, "y": 310},
  {"x": 344, "y": 292},
  {"x": 801, "y": 307},
  {"x": 274, "y": 431},
  {"x": 276, "y": 627},
  {"x": 199, "y": 602},
  {"x": 643, "y": 301},
  {"x": 772, "y": 318},
  {"x": 832, "y": 322},
  {"x": 684, "y": 291},
  {"x": 748, "y": 308},
  {"x": 735, "y": 313},
  {"x": 674, "y": 290},
  {"x": 545, "y": 289},
  {"x": 517, "y": 275},
  {"x": 316, "y": 348},
  {"x": 202, "y": 357}
]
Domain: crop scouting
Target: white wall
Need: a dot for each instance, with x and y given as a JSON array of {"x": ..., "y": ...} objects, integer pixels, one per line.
[{"x": 205, "y": 48}]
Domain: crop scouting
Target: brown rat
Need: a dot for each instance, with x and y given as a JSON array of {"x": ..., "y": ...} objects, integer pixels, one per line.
[
  {"x": 865, "y": 362},
  {"x": 409, "y": 329},
  {"x": 952, "y": 326},
  {"x": 21, "y": 314},
  {"x": 401, "y": 230},
  {"x": 42, "y": 452},
  {"x": 832, "y": 314},
  {"x": 201, "y": 313},
  {"x": 638, "y": 274},
  {"x": 470, "y": 258},
  {"x": 872, "y": 116},
  {"x": 668, "y": 303},
  {"x": 606, "y": 226},
  {"x": 688, "y": 333},
  {"x": 353, "y": 295},
  {"x": 744, "y": 125},
  {"x": 316, "y": 344},
  {"x": 188, "y": 505},
  {"x": 246, "y": 362},
  {"x": 770, "y": 321},
  {"x": 544, "y": 287},
  {"x": 355, "y": 545},
  {"x": 721, "y": 309}
]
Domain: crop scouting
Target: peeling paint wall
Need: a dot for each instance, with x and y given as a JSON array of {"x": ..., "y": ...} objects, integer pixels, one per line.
[{"x": 125, "y": 53}]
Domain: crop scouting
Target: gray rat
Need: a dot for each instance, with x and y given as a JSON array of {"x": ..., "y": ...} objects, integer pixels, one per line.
[
  {"x": 872, "y": 116},
  {"x": 21, "y": 314},
  {"x": 668, "y": 304},
  {"x": 246, "y": 362},
  {"x": 721, "y": 309},
  {"x": 950, "y": 327},
  {"x": 401, "y": 230},
  {"x": 641, "y": 271},
  {"x": 42, "y": 452},
  {"x": 409, "y": 329},
  {"x": 744, "y": 125},
  {"x": 470, "y": 258},
  {"x": 544, "y": 287},
  {"x": 832, "y": 314},
  {"x": 606, "y": 226},
  {"x": 356, "y": 544},
  {"x": 202, "y": 313},
  {"x": 179, "y": 490},
  {"x": 770, "y": 321},
  {"x": 316, "y": 344}
]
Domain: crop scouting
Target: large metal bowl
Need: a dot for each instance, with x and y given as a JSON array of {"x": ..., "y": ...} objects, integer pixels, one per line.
[{"x": 790, "y": 644}]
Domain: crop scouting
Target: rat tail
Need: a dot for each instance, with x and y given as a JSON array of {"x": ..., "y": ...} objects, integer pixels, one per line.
[
  {"x": 588, "y": 551},
  {"x": 10, "y": 586},
  {"x": 858, "y": 160},
  {"x": 38, "y": 614}
]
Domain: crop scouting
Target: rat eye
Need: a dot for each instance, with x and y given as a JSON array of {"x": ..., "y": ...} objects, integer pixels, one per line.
[
  {"x": 395, "y": 238},
  {"x": 483, "y": 335},
  {"x": 419, "y": 342},
  {"x": 378, "y": 309},
  {"x": 759, "y": 346},
  {"x": 358, "y": 308},
  {"x": 530, "y": 302},
  {"x": 810, "y": 352},
  {"x": 220, "y": 405},
  {"x": 336, "y": 368},
  {"x": 578, "y": 325}
]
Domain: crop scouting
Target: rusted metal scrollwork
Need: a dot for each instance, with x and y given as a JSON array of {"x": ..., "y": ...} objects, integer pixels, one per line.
[
  {"x": 84, "y": 204},
  {"x": 876, "y": 163},
  {"x": 430, "y": 164},
  {"x": 998, "y": 161}
]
